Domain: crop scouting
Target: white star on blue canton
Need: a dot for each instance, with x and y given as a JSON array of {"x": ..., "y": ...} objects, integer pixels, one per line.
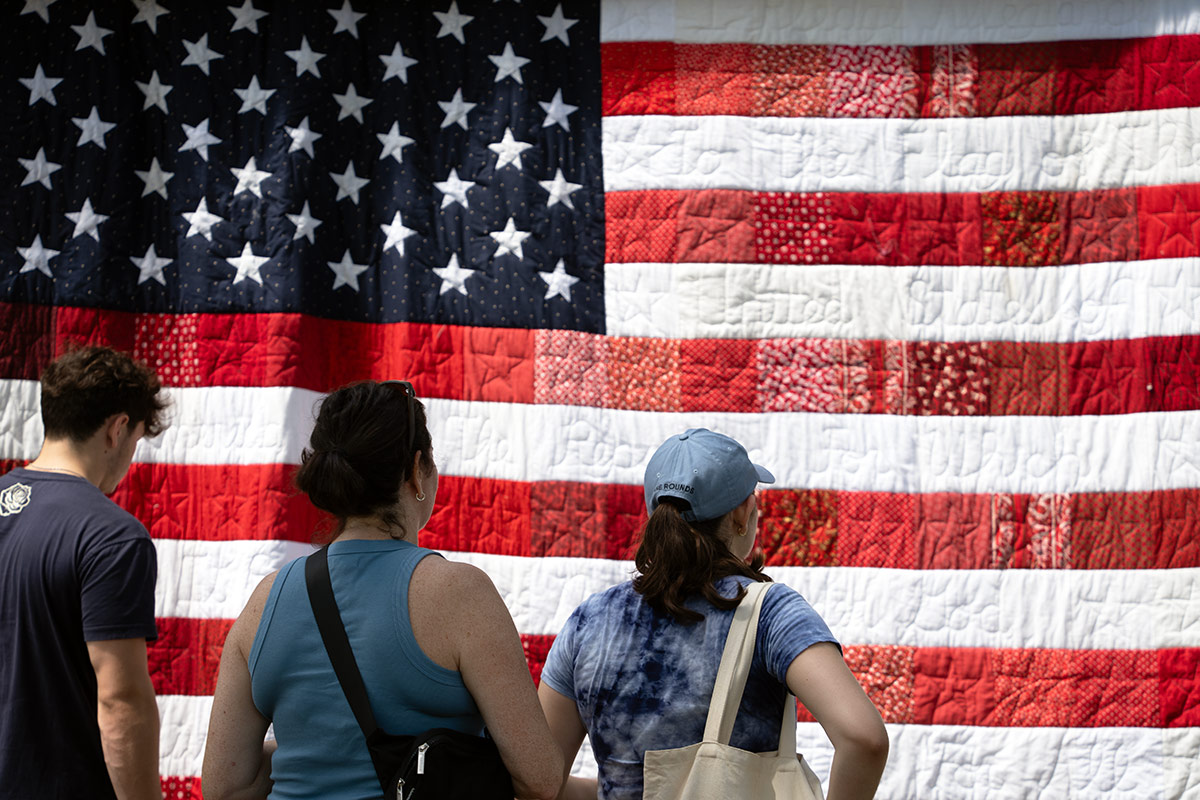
[
  {"x": 248, "y": 265},
  {"x": 347, "y": 19},
  {"x": 39, "y": 169},
  {"x": 37, "y": 257},
  {"x": 453, "y": 276},
  {"x": 150, "y": 266},
  {"x": 346, "y": 272},
  {"x": 452, "y": 23},
  {"x": 349, "y": 183},
  {"x": 87, "y": 221},
  {"x": 198, "y": 54},
  {"x": 558, "y": 282},
  {"x": 306, "y": 224},
  {"x": 246, "y": 16},
  {"x": 92, "y": 129},
  {"x": 91, "y": 34},
  {"x": 40, "y": 87},
  {"x": 397, "y": 64}
]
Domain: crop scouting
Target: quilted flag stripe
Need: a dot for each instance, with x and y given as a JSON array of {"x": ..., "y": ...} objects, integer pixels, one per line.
[
  {"x": 1132, "y": 452},
  {"x": 1127, "y": 609},
  {"x": 797, "y": 527},
  {"x": 1073, "y": 761},
  {"x": 1109, "y": 376},
  {"x": 1013, "y": 229},
  {"x": 821, "y": 154},
  {"x": 1113, "y": 300},
  {"x": 924, "y": 686},
  {"x": 956, "y": 80},
  {"x": 880, "y": 22}
]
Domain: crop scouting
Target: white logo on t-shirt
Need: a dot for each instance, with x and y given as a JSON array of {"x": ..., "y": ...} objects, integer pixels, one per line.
[{"x": 14, "y": 498}]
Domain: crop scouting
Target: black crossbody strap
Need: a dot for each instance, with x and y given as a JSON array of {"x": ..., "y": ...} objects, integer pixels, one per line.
[{"x": 337, "y": 644}]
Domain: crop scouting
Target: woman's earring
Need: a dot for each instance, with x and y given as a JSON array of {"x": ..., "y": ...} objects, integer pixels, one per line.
[
  {"x": 420, "y": 497},
  {"x": 741, "y": 530}
]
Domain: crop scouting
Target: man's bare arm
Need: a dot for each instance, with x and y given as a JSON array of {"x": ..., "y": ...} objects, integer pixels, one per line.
[{"x": 128, "y": 717}]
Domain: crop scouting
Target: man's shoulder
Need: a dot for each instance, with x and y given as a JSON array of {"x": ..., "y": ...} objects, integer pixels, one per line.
[{"x": 77, "y": 505}]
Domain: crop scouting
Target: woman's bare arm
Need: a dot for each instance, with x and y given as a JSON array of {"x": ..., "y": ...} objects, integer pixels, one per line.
[
  {"x": 237, "y": 761},
  {"x": 462, "y": 613},
  {"x": 821, "y": 681},
  {"x": 568, "y": 731}
]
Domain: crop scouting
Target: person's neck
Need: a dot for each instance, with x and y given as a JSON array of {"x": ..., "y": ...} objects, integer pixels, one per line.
[
  {"x": 373, "y": 528},
  {"x": 64, "y": 457}
]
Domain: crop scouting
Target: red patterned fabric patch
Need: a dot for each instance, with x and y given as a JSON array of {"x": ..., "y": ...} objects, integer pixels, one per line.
[
  {"x": 953, "y": 85},
  {"x": 1169, "y": 221},
  {"x": 1021, "y": 229},
  {"x": 567, "y": 520},
  {"x": 1096, "y": 77},
  {"x": 941, "y": 229},
  {"x": 887, "y": 673},
  {"x": 169, "y": 344},
  {"x": 1027, "y": 378},
  {"x": 571, "y": 368},
  {"x": 643, "y": 374},
  {"x": 798, "y": 528},
  {"x": 873, "y": 82},
  {"x": 793, "y": 81},
  {"x": 1099, "y": 226},
  {"x": 876, "y": 528},
  {"x": 823, "y": 375},
  {"x": 792, "y": 228},
  {"x": 953, "y": 531},
  {"x": 949, "y": 378},
  {"x": 715, "y": 79},
  {"x": 1016, "y": 79},
  {"x": 718, "y": 375}
]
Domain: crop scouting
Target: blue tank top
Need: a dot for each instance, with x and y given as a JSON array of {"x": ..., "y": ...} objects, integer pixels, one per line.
[{"x": 322, "y": 752}]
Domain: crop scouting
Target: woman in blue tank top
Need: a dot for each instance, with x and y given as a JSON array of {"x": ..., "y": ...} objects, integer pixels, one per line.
[
  {"x": 634, "y": 666},
  {"x": 433, "y": 640}
]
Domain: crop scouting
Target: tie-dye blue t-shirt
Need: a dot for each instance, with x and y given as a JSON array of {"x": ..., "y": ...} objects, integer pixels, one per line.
[{"x": 643, "y": 682}]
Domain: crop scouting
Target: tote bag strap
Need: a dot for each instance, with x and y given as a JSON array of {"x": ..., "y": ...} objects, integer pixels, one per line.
[{"x": 735, "y": 666}]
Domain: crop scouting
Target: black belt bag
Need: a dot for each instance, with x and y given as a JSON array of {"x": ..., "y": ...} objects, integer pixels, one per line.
[{"x": 438, "y": 764}]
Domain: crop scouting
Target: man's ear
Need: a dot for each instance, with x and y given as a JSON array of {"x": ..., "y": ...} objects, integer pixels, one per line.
[{"x": 114, "y": 426}]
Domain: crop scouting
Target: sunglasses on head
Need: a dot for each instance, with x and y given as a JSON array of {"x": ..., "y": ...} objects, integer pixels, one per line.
[{"x": 410, "y": 404}]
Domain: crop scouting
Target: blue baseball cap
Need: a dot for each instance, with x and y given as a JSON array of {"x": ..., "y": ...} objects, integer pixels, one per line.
[{"x": 709, "y": 470}]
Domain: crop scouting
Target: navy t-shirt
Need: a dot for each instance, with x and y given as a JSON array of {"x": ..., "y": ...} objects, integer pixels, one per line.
[{"x": 74, "y": 568}]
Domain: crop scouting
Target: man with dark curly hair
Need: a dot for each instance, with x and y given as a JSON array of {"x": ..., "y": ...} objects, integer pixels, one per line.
[{"x": 77, "y": 580}]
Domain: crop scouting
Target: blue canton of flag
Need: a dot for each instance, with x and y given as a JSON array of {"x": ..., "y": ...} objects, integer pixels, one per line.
[{"x": 373, "y": 161}]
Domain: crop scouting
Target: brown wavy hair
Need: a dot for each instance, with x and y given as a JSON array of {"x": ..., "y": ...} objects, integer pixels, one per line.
[
  {"x": 88, "y": 384},
  {"x": 677, "y": 559}
]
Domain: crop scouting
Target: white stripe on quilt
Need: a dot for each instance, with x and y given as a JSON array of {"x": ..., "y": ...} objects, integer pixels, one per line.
[
  {"x": 974, "y": 154},
  {"x": 928, "y": 761},
  {"x": 849, "y": 452},
  {"x": 889, "y": 22},
  {"x": 1074, "y": 303},
  {"x": 1078, "y": 609}
]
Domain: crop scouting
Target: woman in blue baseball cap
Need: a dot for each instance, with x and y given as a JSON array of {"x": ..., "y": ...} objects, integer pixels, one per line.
[{"x": 634, "y": 666}]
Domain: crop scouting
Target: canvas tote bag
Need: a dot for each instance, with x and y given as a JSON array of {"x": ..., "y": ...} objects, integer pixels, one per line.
[{"x": 712, "y": 769}]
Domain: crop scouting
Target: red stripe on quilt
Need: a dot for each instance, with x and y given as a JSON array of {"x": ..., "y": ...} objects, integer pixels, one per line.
[
  {"x": 918, "y": 685},
  {"x": 797, "y": 527},
  {"x": 986, "y": 80},
  {"x": 1119, "y": 376},
  {"x": 1009, "y": 687},
  {"x": 1010, "y": 229}
]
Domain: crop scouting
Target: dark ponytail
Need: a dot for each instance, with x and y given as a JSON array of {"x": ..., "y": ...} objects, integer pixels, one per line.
[
  {"x": 677, "y": 558},
  {"x": 359, "y": 456}
]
